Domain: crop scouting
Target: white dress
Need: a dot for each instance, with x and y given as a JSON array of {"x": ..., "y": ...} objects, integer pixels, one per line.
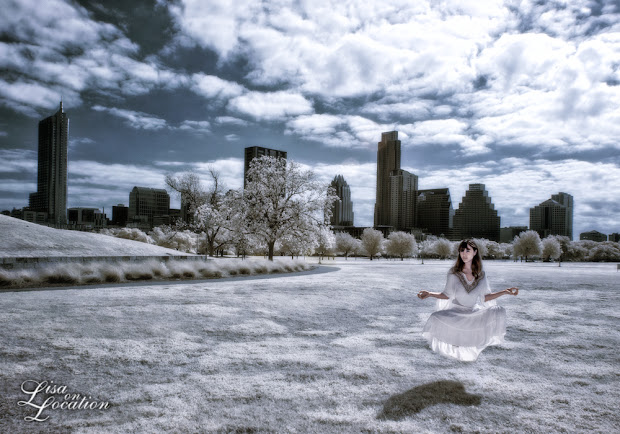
[{"x": 465, "y": 324}]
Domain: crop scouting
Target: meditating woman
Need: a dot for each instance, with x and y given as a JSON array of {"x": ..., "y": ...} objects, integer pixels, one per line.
[{"x": 467, "y": 319}]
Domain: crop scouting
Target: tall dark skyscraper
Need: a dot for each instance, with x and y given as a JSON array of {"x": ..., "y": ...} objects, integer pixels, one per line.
[
  {"x": 403, "y": 192},
  {"x": 388, "y": 161},
  {"x": 342, "y": 211},
  {"x": 51, "y": 195},
  {"x": 476, "y": 216},
  {"x": 435, "y": 212},
  {"x": 255, "y": 152},
  {"x": 554, "y": 216}
]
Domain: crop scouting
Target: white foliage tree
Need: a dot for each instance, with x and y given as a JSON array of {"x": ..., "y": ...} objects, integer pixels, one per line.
[
  {"x": 372, "y": 242},
  {"x": 345, "y": 243},
  {"x": 606, "y": 251},
  {"x": 551, "y": 248},
  {"x": 482, "y": 244},
  {"x": 401, "y": 244},
  {"x": 172, "y": 238},
  {"x": 325, "y": 241},
  {"x": 281, "y": 199},
  {"x": 129, "y": 234},
  {"x": 293, "y": 245},
  {"x": 494, "y": 250},
  {"x": 425, "y": 248},
  {"x": 527, "y": 244},
  {"x": 442, "y": 248},
  {"x": 218, "y": 218}
]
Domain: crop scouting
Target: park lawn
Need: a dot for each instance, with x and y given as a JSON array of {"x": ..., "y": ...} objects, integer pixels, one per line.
[{"x": 337, "y": 349}]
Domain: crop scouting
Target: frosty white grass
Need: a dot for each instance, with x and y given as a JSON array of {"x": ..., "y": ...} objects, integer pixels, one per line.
[
  {"x": 118, "y": 272},
  {"x": 320, "y": 352}
]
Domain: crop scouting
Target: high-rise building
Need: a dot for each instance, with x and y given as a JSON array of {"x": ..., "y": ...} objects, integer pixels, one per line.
[
  {"x": 255, "y": 152},
  {"x": 615, "y": 237},
  {"x": 51, "y": 194},
  {"x": 403, "y": 197},
  {"x": 435, "y": 212},
  {"x": 120, "y": 214},
  {"x": 388, "y": 161},
  {"x": 566, "y": 200},
  {"x": 146, "y": 205},
  {"x": 476, "y": 216},
  {"x": 342, "y": 210},
  {"x": 553, "y": 216}
]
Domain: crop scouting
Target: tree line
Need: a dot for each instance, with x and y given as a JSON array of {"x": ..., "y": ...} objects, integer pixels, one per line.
[{"x": 285, "y": 210}]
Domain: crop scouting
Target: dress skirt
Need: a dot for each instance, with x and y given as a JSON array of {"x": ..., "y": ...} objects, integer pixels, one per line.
[{"x": 462, "y": 333}]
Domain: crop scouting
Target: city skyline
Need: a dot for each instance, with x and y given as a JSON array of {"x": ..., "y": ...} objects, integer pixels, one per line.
[{"x": 521, "y": 99}]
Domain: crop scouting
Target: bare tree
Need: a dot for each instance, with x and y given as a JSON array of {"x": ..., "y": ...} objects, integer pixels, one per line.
[
  {"x": 210, "y": 208},
  {"x": 401, "y": 244},
  {"x": 188, "y": 187},
  {"x": 372, "y": 242}
]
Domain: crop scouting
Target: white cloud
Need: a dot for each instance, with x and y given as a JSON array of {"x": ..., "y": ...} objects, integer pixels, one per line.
[
  {"x": 18, "y": 160},
  {"x": 134, "y": 119},
  {"x": 28, "y": 94},
  {"x": 214, "y": 24},
  {"x": 103, "y": 58},
  {"x": 229, "y": 120},
  {"x": 201, "y": 127},
  {"x": 270, "y": 105},
  {"x": 337, "y": 131},
  {"x": 211, "y": 86}
]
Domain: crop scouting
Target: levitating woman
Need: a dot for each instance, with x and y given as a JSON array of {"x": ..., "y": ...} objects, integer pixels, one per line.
[{"x": 467, "y": 319}]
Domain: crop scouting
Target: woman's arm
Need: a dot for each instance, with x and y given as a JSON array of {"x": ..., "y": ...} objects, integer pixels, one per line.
[
  {"x": 425, "y": 294},
  {"x": 494, "y": 295}
]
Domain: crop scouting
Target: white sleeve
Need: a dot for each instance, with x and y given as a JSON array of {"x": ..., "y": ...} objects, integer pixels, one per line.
[
  {"x": 449, "y": 291},
  {"x": 486, "y": 289}
]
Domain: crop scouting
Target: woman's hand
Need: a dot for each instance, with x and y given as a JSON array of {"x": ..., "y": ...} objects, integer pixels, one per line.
[
  {"x": 512, "y": 291},
  {"x": 423, "y": 294}
]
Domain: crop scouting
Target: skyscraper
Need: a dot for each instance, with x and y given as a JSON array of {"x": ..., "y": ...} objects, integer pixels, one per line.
[
  {"x": 553, "y": 216},
  {"x": 566, "y": 200},
  {"x": 51, "y": 195},
  {"x": 388, "y": 160},
  {"x": 342, "y": 210},
  {"x": 435, "y": 212},
  {"x": 252, "y": 152},
  {"x": 476, "y": 216},
  {"x": 403, "y": 192}
]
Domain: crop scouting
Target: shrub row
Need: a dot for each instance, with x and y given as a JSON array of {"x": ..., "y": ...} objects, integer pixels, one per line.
[{"x": 95, "y": 273}]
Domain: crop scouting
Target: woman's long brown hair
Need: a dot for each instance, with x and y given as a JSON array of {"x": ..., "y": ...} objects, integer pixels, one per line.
[{"x": 476, "y": 263}]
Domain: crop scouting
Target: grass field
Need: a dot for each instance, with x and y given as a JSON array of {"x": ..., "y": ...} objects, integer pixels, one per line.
[{"x": 333, "y": 350}]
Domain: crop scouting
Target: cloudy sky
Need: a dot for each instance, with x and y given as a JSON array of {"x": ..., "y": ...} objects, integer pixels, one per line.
[{"x": 522, "y": 96}]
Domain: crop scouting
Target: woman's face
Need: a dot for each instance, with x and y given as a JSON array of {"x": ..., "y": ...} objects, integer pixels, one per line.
[{"x": 468, "y": 253}]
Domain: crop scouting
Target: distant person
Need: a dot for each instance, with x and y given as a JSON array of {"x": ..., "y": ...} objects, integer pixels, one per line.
[{"x": 467, "y": 319}]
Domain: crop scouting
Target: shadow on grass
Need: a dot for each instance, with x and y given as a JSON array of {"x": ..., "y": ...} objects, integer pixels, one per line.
[{"x": 417, "y": 399}]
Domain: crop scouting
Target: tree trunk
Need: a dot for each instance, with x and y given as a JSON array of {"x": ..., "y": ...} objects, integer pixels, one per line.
[
  {"x": 210, "y": 246},
  {"x": 270, "y": 246}
]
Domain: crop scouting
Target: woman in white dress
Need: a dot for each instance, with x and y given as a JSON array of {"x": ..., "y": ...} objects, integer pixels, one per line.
[{"x": 467, "y": 319}]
